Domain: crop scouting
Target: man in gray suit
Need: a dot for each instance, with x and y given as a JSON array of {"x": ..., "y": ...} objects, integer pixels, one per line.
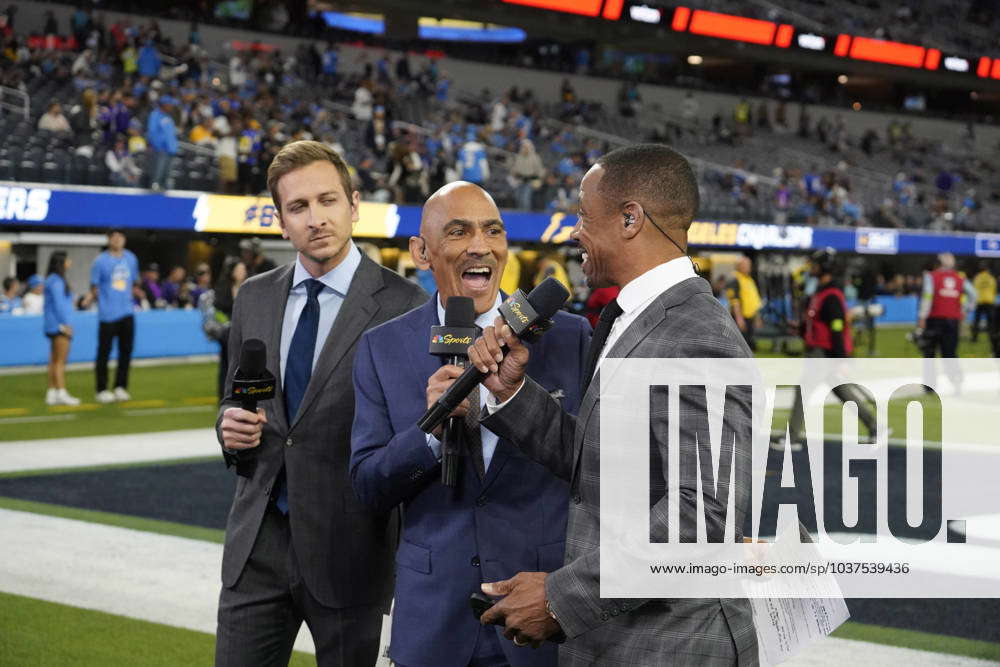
[
  {"x": 299, "y": 544},
  {"x": 636, "y": 205}
]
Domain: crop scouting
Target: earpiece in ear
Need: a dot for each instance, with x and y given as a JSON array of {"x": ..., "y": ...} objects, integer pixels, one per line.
[{"x": 629, "y": 219}]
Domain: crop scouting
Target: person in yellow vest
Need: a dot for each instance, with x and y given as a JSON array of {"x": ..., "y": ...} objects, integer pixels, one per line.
[
  {"x": 548, "y": 267},
  {"x": 744, "y": 300},
  {"x": 986, "y": 295}
]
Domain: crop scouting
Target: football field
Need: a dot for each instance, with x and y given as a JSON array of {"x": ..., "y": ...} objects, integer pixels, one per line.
[{"x": 112, "y": 518}]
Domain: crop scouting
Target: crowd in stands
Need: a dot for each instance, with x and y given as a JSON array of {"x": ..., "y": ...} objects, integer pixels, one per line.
[{"x": 123, "y": 105}]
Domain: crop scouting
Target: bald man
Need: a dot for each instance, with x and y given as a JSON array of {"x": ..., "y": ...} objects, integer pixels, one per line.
[{"x": 506, "y": 513}]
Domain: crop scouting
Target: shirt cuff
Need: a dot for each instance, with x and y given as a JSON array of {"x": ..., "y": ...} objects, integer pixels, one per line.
[
  {"x": 435, "y": 446},
  {"x": 491, "y": 401}
]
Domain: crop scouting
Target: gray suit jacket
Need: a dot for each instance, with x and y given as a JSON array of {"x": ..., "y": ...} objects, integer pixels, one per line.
[
  {"x": 345, "y": 551},
  {"x": 684, "y": 321}
]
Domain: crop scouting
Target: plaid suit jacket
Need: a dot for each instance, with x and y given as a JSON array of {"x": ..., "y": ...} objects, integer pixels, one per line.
[{"x": 685, "y": 321}]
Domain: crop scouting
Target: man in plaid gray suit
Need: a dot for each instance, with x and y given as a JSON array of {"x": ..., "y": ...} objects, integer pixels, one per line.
[{"x": 636, "y": 205}]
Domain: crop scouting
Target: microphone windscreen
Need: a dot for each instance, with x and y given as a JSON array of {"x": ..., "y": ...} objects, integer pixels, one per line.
[
  {"x": 548, "y": 297},
  {"x": 253, "y": 358},
  {"x": 460, "y": 311}
]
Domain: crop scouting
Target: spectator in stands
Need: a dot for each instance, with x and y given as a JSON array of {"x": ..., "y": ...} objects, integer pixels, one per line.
[
  {"x": 378, "y": 133},
  {"x": 114, "y": 118},
  {"x": 409, "y": 177},
  {"x": 10, "y": 299},
  {"x": 161, "y": 133},
  {"x": 362, "y": 108},
  {"x": 253, "y": 257},
  {"x": 527, "y": 173},
  {"x": 122, "y": 169},
  {"x": 248, "y": 148},
  {"x": 689, "y": 111},
  {"x": 474, "y": 166},
  {"x": 149, "y": 61},
  {"x": 83, "y": 121},
  {"x": 201, "y": 134},
  {"x": 744, "y": 300},
  {"x": 53, "y": 119},
  {"x": 151, "y": 288},
  {"x": 34, "y": 299},
  {"x": 227, "y": 153},
  {"x": 58, "y": 308},
  {"x": 171, "y": 288},
  {"x": 986, "y": 296},
  {"x": 629, "y": 99},
  {"x": 742, "y": 117}
]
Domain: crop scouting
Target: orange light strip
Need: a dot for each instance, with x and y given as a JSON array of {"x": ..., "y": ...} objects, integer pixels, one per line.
[
  {"x": 613, "y": 10},
  {"x": 584, "y": 7},
  {"x": 784, "y": 36},
  {"x": 681, "y": 17},
  {"x": 983, "y": 70},
  {"x": 995, "y": 70},
  {"x": 933, "y": 59},
  {"x": 735, "y": 28},
  {"x": 842, "y": 45},
  {"x": 890, "y": 53}
]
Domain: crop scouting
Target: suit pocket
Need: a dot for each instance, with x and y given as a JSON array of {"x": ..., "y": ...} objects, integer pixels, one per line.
[
  {"x": 551, "y": 556},
  {"x": 414, "y": 557}
]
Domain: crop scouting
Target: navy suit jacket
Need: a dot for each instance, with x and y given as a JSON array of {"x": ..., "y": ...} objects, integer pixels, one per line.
[{"x": 454, "y": 539}]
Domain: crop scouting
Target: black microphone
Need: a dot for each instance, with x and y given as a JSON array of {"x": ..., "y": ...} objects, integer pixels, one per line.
[
  {"x": 451, "y": 342},
  {"x": 252, "y": 381},
  {"x": 528, "y": 317}
]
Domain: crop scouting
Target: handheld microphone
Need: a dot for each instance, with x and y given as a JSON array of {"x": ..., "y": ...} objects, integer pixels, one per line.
[
  {"x": 252, "y": 381},
  {"x": 451, "y": 342},
  {"x": 528, "y": 317}
]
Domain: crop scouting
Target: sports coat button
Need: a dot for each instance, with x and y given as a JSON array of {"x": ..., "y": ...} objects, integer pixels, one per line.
[{"x": 288, "y": 442}]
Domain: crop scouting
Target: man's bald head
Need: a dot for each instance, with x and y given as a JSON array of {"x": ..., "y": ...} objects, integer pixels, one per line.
[
  {"x": 450, "y": 201},
  {"x": 463, "y": 243}
]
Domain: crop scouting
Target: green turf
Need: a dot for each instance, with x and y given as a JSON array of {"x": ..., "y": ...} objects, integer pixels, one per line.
[
  {"x": 36, "y": 632},
  {"x": 189, "y": 389},
  {"x": 922, "y": 641},
  {"x": 890, "y": 342},
  {"x": 112, "y": 519}
]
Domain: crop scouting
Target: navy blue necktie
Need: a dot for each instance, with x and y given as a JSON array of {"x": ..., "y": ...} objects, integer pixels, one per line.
[{"x": 298, "y": 369}]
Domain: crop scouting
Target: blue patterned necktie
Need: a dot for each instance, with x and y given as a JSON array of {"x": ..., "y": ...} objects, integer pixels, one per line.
[{"x": 298, "y": 369}]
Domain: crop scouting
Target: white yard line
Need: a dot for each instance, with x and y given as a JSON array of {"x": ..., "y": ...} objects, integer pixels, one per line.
[
  {"x": 175, "y": 581},
  {"x": 152, "y": 577},
  {"x": 106, "y": 449}
]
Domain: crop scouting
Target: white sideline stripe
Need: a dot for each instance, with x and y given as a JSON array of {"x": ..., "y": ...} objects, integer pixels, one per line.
[
  {"x": 41, "y": 418},
  {"x": 107, "y": 449},
  {"x": 835, "y": 651},
  {"x": 175, "y": 581},
  {"x": 169, "y": 411},
  {"x": 151, "y": 577}
]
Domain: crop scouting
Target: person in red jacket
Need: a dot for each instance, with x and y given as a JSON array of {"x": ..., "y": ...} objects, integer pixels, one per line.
[
  {"x": 941, "y": 313},
  {"x": 828, "y": 333}
]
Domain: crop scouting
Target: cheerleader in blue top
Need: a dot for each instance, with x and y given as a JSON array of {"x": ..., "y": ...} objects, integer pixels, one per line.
[{"x": 58, "y": 306}]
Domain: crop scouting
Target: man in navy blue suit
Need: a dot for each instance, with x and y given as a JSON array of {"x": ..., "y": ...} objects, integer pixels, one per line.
[{"x": 507, "y": 515}]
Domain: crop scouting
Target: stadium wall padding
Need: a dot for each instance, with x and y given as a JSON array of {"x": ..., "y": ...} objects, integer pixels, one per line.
[{"x": 158, "y": 333}]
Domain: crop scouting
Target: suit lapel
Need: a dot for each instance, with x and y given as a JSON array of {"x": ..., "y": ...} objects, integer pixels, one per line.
[
  {"x": 276, "y": 305},
  {"x": 422, "y": 364},
  {"x": 355, "y": 313},
  {"x": 626, "y": 343}
]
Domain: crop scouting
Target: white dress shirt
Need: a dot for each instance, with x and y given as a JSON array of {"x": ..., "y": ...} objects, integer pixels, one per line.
[
  {"x": 634, "y": 298},
  {"x": 486, "y": 436},
  {"x": 335, "y": 285},
  {"x": 642, "y": 291}
]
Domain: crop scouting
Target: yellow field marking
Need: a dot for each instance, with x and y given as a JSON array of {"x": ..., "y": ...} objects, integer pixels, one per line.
[
  {"x": 152, "y": 403},
  {"x": 201, "y": 400},
  {"x": 4, "y": 412},
  {"x": 73, "y": 408}
]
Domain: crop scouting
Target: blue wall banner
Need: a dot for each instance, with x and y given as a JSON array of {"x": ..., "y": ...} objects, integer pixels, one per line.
[
  {"x": 158, "y": 333},
  {"x": 79, "y": 206}
]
